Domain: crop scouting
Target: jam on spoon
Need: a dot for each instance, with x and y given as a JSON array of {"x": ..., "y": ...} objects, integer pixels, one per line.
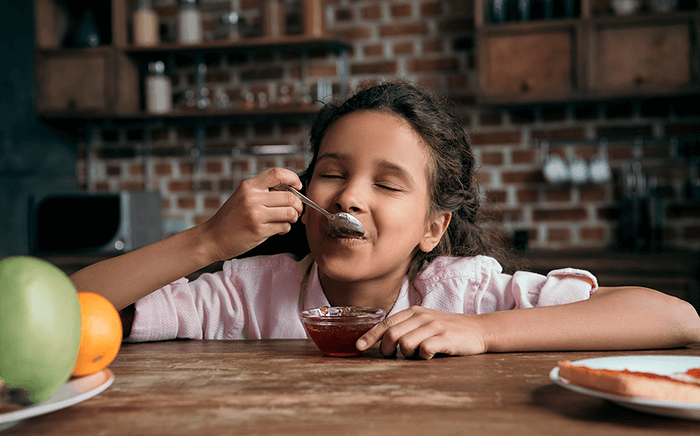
[{"x": 341, "y": 223}]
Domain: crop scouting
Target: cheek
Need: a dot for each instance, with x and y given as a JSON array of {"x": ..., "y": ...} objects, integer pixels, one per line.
[
  {"x": 407, "y": 223},
  {"x": 311, "y": 222}
]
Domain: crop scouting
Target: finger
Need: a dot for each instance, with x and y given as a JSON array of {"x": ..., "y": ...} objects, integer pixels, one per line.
[
  {"x": 280, "y": 176},
  {"x": 375, "y": 333},
  {"x": 412, "y": 341},
  {"x": 279, "y": 228},
  {"x": 432, "y": 346},
  {"x": 370, "y": 338},
  {"x": 278, "y": 215},
  {"x": 283, "y": 199},
  {"x": 394, "y": 334}
]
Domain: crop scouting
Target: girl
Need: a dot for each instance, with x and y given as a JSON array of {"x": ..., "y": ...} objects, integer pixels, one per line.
[{"x": 395, "y": 158}]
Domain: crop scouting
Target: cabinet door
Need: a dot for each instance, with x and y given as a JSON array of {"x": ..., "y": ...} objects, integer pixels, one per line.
[
  {"x": 73, "y": 82},
  {"x": 90, "y": 81},
  {"x": 532, "y": 66},
  {"x": 642, "y": 58}
]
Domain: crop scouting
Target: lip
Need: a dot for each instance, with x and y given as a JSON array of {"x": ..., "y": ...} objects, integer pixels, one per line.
[
  {"x": 337, "y": 236},
  {"x": 329, "y": 233}
]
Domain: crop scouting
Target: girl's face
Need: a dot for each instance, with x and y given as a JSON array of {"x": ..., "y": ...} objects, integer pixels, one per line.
[{"x": 374, "y": 166}]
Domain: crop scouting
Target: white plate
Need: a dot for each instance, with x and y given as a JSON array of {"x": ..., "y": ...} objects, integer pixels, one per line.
[
  {"x": 72, "y": 392},
  {"x": 662, "y": 365}
]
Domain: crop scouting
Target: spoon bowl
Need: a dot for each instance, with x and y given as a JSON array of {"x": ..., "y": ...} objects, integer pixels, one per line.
[{"x": 341, "y": 223}]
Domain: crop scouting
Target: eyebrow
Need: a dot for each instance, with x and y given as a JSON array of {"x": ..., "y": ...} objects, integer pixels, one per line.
[{"x": 403, "y": 172}]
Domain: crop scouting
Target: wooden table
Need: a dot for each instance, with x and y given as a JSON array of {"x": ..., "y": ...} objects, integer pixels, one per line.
[{"x": 287, "y": 387}]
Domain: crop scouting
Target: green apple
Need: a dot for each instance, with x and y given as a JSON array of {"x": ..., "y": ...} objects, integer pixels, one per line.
[{"x": 39, "y": 326}]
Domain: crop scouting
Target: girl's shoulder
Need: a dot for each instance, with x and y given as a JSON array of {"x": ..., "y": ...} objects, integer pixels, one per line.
[
  {"x": 449, "y": 267},
  {"x": 456, "y": 284}
]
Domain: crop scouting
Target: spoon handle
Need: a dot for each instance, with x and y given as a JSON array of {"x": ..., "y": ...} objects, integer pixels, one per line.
[{"x": 304, "y": 199}]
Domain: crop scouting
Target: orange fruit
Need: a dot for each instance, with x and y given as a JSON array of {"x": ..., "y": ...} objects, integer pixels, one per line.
[{"x": 100, "y": 335}]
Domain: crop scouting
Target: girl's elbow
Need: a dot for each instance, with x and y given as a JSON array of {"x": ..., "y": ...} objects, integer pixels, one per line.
[
  {"x": 688, "y": 322},
  {"x": 681, "y": 317}
]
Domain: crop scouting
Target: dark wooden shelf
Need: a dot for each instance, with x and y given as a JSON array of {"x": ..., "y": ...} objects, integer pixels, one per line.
[
  {"x": 243, "y": 44},
  {"x": 238, "y": 112},
  {"x": 541, "y": 24},
  {"x": 101, "y": 49},
  {"x": 509, "y": 101}
]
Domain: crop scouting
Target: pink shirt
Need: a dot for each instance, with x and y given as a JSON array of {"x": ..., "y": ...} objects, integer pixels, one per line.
[{"x": 260, "y": 297}]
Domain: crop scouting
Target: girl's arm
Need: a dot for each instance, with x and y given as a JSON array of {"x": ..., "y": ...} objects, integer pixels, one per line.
[
  {"x": 252, "y": 214},
  {"x": 612, "y": 319}
]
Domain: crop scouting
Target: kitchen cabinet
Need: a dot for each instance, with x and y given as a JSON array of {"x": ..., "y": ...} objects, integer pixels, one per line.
[
  {"x": 587, "y": 55},
  {"x": 548, "y": 71},
  {"x": 80, "y": 77},
  {"x": 105, "y": 82},
  {"x": 91, "y": 82},
  {"x": 641, "y": 57}
]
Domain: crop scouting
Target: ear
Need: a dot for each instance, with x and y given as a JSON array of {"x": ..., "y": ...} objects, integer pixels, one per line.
[{"x": 435, "y": 227}]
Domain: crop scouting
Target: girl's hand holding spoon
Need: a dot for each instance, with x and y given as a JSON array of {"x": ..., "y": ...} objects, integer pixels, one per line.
[{"x": 253, "y": 213}]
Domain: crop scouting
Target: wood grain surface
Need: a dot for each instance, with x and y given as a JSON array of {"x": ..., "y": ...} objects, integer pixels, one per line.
[{"x": 286, "y": 387}]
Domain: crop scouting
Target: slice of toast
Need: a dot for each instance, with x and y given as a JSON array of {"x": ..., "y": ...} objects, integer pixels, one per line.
[
  {"x": 680, "y": 387},
  {"x": 6, "y": 397}
]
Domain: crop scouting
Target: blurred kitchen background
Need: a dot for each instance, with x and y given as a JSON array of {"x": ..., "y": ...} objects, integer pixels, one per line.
[{"x": 584, "y": 114}]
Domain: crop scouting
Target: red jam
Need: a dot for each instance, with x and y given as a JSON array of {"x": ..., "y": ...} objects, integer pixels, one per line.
[
  {"x": 335, "y": 330},
  {"x": 694, "y": 372},
  {"x": 337, "y": 340}
]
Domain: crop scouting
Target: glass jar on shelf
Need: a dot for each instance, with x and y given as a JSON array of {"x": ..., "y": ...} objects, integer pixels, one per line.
[
  {"x": 313, "y": 22},
  {"x": 145, "y": 24},
  {"x": 248, "y": 100},
  {"x": 158, "y": 89},
  {"x": 625, "y": 7},
  {"x": 189, "y": 22},
  {"x": 229, "y": 26},
  {"x": 274, "y": 18},
  {"x": 262, "y": 100},
  {"x": 284, "y": 97},
  {"x": 304, "y": 96},
  {"x": 203, "y": 100},
  {"x": 222, "y": 99},
  {"x": 190, "y": 101}
]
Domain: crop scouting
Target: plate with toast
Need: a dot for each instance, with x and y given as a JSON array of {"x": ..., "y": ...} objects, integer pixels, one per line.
[
  {"x": 662, "y": 385},
  {"x": 72, "y": 392}
]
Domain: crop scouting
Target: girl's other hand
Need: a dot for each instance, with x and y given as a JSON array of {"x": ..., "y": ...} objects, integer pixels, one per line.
[
  {"x": 253, "y": 213},
  {"x": 421, "y": 332}
]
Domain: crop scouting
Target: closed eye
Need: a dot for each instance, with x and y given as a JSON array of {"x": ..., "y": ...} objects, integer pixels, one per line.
[{"x": 388, "y": 188}]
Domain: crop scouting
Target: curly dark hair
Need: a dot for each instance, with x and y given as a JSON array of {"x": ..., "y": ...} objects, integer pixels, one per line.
[{"x": 452, "y": 172}]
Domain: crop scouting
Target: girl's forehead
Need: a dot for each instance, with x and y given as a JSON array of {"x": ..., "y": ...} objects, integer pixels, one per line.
[
  {"x": 381, "y": 139},
  {"x": 372, "y": 127},
  {"x": 361, "y": 116}
]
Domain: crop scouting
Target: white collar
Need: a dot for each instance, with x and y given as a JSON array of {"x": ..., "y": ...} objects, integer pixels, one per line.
[{"x": 311, "y": 294}]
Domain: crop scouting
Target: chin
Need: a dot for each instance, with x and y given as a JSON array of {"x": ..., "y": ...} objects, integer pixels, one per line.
[{"x": 341, "y": 268}]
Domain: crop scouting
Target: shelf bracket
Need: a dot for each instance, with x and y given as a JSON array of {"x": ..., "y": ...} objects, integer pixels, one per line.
[
  {"x": 197, "y": 151},
  {"x": 343, "y": 66}
]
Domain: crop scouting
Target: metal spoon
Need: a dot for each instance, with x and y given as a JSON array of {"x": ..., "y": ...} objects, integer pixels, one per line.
[{"x": 342, "y": 223}]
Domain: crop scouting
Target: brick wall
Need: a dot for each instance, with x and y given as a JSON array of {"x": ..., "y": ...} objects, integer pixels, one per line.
[{"x": 430, "y": 42}]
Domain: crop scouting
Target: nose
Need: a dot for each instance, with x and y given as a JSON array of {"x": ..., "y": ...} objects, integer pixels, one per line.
[{"x": 350, "y": 198}]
